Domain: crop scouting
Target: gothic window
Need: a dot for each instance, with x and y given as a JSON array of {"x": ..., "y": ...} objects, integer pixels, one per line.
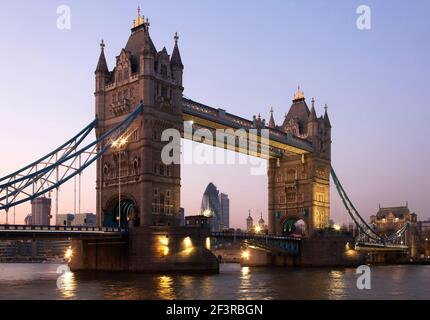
[
  {"x": 135, "y": 135},
  {"x": 164, "y": 70},
  {"x": 162, "y": 170},
  {"x": 155, "y": 169},
  {"x": 126, "y": 74},
  {"x": 291, "y": 175},
  {"x": 291, "y": 194},
  {"x": 105, "y": 169},
  {"x": 164, "y": 92},
  {"x": 281, "y": 199},
  {"x": 155, "y": 192},
  {"x": 168, "y": 193},
  {"x": 114, "y": 97},
  {"x": 168, "y": 173}
]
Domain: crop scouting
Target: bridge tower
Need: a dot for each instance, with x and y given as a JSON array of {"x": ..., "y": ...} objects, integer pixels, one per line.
[
  {"x": 150, "y": 190},
  {"x": 299, "y": 186}
]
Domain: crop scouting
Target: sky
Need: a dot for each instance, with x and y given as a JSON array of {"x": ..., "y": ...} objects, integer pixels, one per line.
[{"x": 244, "y": 57}]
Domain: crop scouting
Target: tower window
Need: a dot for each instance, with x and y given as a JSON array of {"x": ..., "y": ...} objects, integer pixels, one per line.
[
  {"x": 164, "y": 71},
  {"x": 164, "y": 92}
]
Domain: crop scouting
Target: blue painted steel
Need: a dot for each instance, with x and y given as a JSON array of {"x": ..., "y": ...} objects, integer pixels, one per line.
[{"x": 120, "y": 129}]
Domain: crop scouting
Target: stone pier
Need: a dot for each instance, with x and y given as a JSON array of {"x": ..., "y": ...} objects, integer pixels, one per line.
[{"x": 148, "y": 249}]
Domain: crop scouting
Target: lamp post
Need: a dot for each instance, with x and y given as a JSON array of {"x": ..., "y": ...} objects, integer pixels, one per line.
[{"x": 118, "y": 144}]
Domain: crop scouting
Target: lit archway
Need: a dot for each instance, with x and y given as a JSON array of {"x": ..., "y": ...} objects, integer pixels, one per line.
[{"x": 128, "y": 212}]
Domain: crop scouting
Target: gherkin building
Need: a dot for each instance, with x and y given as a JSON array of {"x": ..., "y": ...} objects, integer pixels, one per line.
[{"x": 211, "y": 206}]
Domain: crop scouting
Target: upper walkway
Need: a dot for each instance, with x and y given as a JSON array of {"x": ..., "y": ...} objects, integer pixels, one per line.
[{"x": 211, "y": 118}]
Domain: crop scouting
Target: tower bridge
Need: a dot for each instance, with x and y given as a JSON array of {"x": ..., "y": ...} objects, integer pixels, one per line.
[{"x": 135, "y": 102}]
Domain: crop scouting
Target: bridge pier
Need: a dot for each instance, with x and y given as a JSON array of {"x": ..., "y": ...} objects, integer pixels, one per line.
[{"x": 148, "y": 249}]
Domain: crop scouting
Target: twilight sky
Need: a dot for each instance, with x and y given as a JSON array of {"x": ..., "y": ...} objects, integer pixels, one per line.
[{"x": 243, "y": 56}]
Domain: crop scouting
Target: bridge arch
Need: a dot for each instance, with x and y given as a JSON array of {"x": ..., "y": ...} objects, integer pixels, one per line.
[
  {"x": 293, "y": 225},
  {"x": 129, "y": 212}
]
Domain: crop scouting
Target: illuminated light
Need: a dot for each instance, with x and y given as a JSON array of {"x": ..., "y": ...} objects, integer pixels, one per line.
[
  {"x": 191, "y": 122},
  {"x": 115, "y": 143},
  {"x": 68, "y": 254},
  {"x": 336, "y": 227},
  {"x": 123, "y": 142},
  {"x": 188, "y": 243},
  {"x": 165, "y": 251},
  {"x": 208, "y": 243},
  {"x": 257, "y": 229},
  {"x": 164, "y": 247},
  {"x": 245, "y": 255},
  {"x": 351, "y": 252},
  {"x": 165, "y": 241},
  {"x": 427, "y": 239},
  {"x": 347, "y": 246}
]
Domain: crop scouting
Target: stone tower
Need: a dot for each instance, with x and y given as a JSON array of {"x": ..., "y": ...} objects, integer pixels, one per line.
[
  {"x": 150, "y": 190},
  {"x": 299, "y": 186}
]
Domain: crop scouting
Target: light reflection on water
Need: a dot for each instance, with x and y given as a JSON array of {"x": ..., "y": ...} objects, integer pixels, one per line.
[{"x": 39, "y": 281}]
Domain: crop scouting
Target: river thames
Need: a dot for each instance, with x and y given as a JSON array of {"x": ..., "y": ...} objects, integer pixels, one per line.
[{"x": 40, "y": 281}]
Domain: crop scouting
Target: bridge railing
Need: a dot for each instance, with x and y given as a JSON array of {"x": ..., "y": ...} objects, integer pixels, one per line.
[
  {"x": 255, "y": 236},
  {"x": 60, "y": 228}
]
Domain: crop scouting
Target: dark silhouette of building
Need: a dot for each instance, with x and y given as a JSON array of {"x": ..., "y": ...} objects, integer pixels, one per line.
[{"x": 41, "y": 211}]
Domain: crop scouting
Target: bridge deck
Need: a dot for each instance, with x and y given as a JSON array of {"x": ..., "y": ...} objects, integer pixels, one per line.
[{"x": 22, "y": 232}]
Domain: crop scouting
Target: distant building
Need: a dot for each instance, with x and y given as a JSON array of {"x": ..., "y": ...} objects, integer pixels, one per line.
[
  {"x": 249, "y": 223},
  {"x": 41, "y": 211},
  {"x": 225, "y": 211},
  {"x": 181, "y": 217},
  {"x": 85, "y": 220},
  {"x": 390, "y": 219},
  {"x": 27, "y": 250},
  {"x": 64, "y": 219},
  {"x": 261, "y": 222},
  {"x": 211, "y": 207},
  {"x": 198, "y": 221},
  {"x": 79, "y": 219},
  {"x": 28, "y": 221}
]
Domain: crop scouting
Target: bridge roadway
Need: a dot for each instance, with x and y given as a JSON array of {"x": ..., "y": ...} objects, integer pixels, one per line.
[
  {"x": 24, "y": 232},
  {"x": 281, "y": 244},
  {"x": 377, "y": 247}
]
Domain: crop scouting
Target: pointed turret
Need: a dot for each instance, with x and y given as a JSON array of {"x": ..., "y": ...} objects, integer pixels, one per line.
[
  {"x": 326, "y": 118},
  {"x": 272, "y": 124},
  {"x": 102, "y": 65},
  {"x": 176, "y": 55},
  {"x": 313, "y": 114}
]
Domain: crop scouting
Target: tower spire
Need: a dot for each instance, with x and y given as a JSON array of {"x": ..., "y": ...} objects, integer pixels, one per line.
[
  {"x": 140, "y": 19},
  {"x": 299, "y": 94},
  {"x": 272, "y": 124},
  {"x": 102, "y": 65},
  {"x": 176, "y": 55},
  {"x": 326, "y": 118}
]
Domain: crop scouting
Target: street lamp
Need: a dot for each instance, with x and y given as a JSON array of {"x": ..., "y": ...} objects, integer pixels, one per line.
[{"x": 118, "y": 144}]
